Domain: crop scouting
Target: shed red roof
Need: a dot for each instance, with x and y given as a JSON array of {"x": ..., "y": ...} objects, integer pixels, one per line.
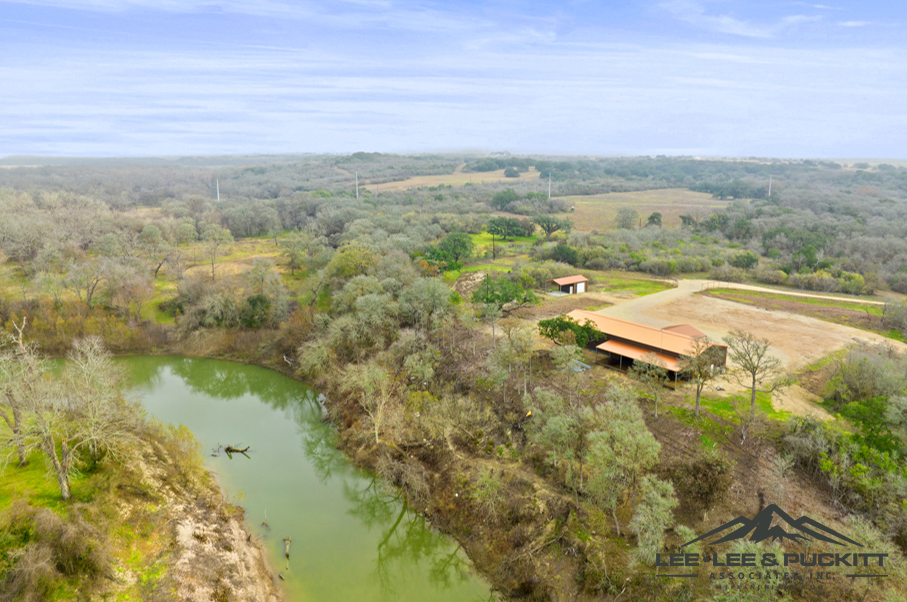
[{"x": 569, "y": 280}]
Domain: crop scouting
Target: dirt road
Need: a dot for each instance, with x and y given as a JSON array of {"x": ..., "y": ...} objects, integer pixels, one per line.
[{"x": 797, "y": 340}]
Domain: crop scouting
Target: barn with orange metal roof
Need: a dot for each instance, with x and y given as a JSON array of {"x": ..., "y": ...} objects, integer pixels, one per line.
[{"x": 629, "y": 341}]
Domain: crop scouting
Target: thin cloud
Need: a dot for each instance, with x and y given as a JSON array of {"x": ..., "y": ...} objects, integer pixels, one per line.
[
  {"x": 855, "y": 23},
  {"x": 818, "y": 6},
  {"x": 695, "y": 14},
  {"x": 345, "y": 14}
]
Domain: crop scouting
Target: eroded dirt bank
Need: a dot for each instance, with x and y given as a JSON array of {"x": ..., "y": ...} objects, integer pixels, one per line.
[{"x": 201, "y": 539}]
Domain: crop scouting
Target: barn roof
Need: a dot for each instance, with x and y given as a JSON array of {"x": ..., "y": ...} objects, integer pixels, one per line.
[
  {"x": 658, "y": 338},
  {"x": 635, "y": 352},
  {"x": 685, "y": 329},
  {"x": 569, "y": 280}
]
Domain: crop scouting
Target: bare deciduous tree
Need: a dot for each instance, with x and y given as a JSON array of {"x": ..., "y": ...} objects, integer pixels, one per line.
[
  {"x": 85, "y": 278},
  {"x": 21, "y": 368},
  {"x": 81, "y": 415},
  {"x": 651, "y": 372},
  {"x": 373, "y": 389},
  {"x": 216, "y": 239},
  {"x": 700, "y": 365},
  {"x": 755, "y": 365}
]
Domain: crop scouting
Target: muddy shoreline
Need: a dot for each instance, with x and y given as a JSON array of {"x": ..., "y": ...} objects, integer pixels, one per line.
[{"x": 213, "y": 555}]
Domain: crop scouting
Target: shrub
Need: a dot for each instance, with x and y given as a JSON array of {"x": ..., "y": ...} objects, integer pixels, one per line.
[
  {"x": 745, "y": 260},
  {"x": 726, "y": 273},
  {"x": 700, "y": 482},
  {"x": 770, "y": 276},
  {"x": 564, "y": 254},
  {"x": 584, "y": 333},
  {"x": 46, "y": 548}
]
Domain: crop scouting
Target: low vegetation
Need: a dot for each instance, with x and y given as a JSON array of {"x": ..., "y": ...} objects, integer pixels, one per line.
[{"x": 412, "y": 309}]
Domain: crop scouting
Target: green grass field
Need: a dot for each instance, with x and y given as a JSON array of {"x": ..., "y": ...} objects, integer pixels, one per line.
[
  {"x": 33, "y": 483},
  {"x": 484, "y": 240},
  {"x": 843, "y": 303},
  {"x": 730, "y": 407},
  {"x": 597, "y": 211},
  {"x": 620, "y": 282}
]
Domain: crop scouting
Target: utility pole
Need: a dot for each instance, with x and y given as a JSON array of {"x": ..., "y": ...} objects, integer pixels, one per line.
[
  {"x": 549, "y": 185},
  {"x": 357, "y": 185},
  {"x": 769, "y": 187},
  {"x": 217, "y": 183}
]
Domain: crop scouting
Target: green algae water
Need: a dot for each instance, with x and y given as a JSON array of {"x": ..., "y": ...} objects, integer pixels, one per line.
[{"x": 352, "y": 538}]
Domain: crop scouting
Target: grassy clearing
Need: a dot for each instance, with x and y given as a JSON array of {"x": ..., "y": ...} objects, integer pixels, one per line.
[
  {"x": 614, "y": 282},
  {"x": 711, "y": 432},
  {"x": 163, "y": 291},
  {"x": 486, "y": 267},
  {"x": 843, "y": 303},
  {"x": 597, "y": 212},
  {"x": 32, "y": 482},
  {"x": 730, "y": 407},
  {"x": 458, "y": 178},
  {"x": 484, "y": 240},
  {"x": 248, "y": 249},
  {"x": 729, "y": 410},
  {"x": 825, "y": 361}
]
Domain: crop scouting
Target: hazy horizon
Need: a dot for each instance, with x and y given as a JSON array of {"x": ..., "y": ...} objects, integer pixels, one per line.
[{"x": 135, "y": 78}]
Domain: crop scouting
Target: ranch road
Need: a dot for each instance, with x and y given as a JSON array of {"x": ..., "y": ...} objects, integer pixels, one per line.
[{"x": 797, "y": 340}]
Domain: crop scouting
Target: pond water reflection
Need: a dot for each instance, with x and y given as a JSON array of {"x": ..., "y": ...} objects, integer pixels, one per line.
[{"x": 352, "y": 537}]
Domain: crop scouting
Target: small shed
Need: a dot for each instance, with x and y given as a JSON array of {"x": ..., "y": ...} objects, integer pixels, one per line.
[{"x": 572, "y": 284}]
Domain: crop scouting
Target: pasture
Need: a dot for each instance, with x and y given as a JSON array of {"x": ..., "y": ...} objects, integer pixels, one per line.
[
  {"x": 458, "y": 178},
  {"x": 597, "y": 211}
]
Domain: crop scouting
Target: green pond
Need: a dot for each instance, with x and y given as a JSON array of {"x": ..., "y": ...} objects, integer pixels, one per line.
[{"x": 353, "y": 539}]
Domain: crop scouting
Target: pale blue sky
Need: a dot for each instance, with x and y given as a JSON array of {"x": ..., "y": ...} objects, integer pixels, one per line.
[{"x": 697, "y": 77}]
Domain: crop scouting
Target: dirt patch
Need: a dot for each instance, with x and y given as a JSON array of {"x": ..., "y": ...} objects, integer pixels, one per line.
[
  {"x": 221, "y": 269},
  {"x": 839, "y": 315},
  {"x": 558, "y": 306},
  {"x": 801, "y": 402},
  {"x": 797, "y": 340},
  {"x": 211, "y": 556},
  {"x": 469, "y": 283}
]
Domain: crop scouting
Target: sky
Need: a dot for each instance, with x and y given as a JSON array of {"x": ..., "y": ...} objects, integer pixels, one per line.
[{"x": 593, "y": 77}]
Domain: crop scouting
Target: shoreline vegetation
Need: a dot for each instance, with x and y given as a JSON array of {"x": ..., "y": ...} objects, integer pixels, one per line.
[
  {"x": 142, "y": 516},
  {"x": 423, "y": 336}
]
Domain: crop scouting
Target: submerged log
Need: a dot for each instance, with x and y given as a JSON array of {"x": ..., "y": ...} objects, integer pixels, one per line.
[
  {"x": 287, "y": 540},
  {"x": 235, "y": 450}
]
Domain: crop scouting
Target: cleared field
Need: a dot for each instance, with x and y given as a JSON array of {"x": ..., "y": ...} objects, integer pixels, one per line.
[
  {"x": 597, "y": 212},
  {"x": 620, "y": 282},
  {"x": 485, "y": 239},
  {"x": 848, "y": 313},
  {"x": 458, "y": 178}
]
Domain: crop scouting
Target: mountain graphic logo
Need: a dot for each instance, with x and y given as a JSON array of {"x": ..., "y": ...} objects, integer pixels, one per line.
[{"x": 761, "y": 526}]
